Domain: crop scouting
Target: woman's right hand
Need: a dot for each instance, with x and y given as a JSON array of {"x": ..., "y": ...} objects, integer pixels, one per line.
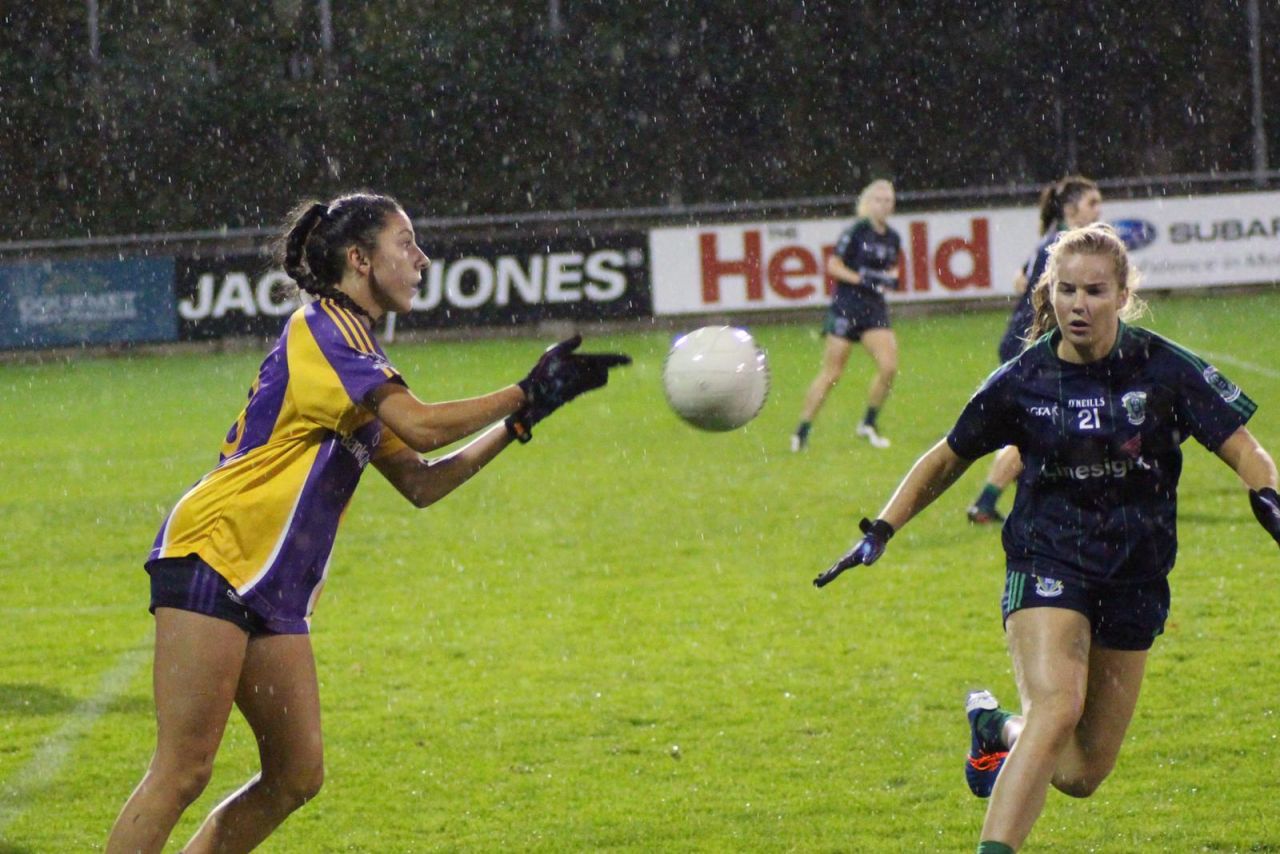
[{"x": 560, "y": 375}]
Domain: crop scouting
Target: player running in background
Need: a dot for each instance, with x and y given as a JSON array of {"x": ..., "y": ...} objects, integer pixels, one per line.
[
  {"x": 864, "y": 264},
  {"x": 1098, "y": 409},
  {"x": 1072, "y": 202},
  {"x": 241, "y": 559}
]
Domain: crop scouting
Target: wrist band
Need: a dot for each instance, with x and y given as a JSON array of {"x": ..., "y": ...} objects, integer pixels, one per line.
[{"x": 517, "y": 429}]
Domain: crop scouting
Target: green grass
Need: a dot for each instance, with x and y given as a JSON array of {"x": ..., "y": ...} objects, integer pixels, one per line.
[{"x": 514, "y": 668}]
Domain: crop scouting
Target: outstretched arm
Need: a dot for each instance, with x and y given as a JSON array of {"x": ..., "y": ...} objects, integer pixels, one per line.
[
  {"x": 1258, "y": 471},
  {"x": 559, "y": 376},
  {"x": 425, "y": 482},
  {"x": 1248, "y": 459},
  {"x": 931, "y": 476},
  {"x": 428, "y": 426}
]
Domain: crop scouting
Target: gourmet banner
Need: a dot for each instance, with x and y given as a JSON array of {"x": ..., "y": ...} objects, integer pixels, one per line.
[{"x": 70, "y": 303}]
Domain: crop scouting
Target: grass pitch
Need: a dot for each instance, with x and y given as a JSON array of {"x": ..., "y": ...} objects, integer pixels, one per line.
[{"x": 609, "y": 639}]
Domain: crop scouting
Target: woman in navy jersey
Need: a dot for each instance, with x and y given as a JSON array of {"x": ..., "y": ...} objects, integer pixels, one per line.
[
  {"x": 1098, "y": 410},
  {"x": 865, "y": 263},
  {"x": 1072, "y": 202},
  {"x": 241, "y": 559}
]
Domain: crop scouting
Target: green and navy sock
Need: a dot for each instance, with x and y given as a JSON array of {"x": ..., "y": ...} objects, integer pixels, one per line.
[
  {"x": 870, "y": 418},
  {"x": 989, "y": 496},
  {"x": 989, "y": 847},
  {"x": 990, "y": 725},
  {"x": 803, "y": 430}
]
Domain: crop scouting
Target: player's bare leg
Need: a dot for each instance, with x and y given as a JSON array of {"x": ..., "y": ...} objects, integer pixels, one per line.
[
  {"x": 280, "y": 698},
  {"x": 883, "y": 347},
  {"x": 1115, "y": 680},
  {"x": 197, "y": 667},
  {"x": 835, "y": 356},
  {"x": 1050, "y": 648}
]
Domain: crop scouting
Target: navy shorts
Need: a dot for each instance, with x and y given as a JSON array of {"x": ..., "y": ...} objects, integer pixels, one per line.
[
  {"x": 855, "y": 310},
  {"x": 190, "y": 584},
  {"x": 1122, "y": 616}
]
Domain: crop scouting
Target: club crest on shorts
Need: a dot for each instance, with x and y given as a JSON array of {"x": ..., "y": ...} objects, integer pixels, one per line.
[
  {"x": 1135, "y": 407},
  {"x": 1048, "y": 588},
  {"x": 1228, "y": 390}
]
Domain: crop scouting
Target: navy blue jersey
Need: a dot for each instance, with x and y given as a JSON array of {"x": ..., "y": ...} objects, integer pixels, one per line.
[
  {"x": 1100, "y": 443},
  {"x": 861, "y": 247},
  {"x": 1022, "y": 315}
]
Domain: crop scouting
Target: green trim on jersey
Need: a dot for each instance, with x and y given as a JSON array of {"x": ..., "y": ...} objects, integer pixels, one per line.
[{"x": 1242, "y": 404}]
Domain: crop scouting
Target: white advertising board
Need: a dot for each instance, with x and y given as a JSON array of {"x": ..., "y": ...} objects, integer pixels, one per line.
[{"x": 972, "y": 254}]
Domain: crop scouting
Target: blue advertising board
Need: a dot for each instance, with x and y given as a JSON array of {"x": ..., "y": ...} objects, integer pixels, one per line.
[{"x": 69, "y": 303}]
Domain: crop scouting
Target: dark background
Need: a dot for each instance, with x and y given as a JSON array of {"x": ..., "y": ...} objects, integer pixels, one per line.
[{"x": 198, "y": 115}]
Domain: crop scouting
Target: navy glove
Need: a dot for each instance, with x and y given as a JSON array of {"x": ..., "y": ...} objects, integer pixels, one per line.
[
  {"x": 875, "y": 536},
  {"x": 878, "y": 279},
  {"x": 559, "y": 376},
  {"x": 1266, "y": 507}
]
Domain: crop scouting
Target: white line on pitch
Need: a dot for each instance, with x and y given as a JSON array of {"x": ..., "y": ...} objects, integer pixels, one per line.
[
  {"x": 48, "y": 761},
  {"x": 1270, "y": 373}
]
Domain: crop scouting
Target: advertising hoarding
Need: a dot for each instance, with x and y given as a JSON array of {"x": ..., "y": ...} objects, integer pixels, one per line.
[
  {"x": 72, "y": 303},
  {"x": 1175, "y": 243}
]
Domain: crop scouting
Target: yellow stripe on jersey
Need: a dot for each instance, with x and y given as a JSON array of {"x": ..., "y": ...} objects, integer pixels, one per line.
[
  {"x": 332, "y": 309},
  {"x": 361, "y": 341},
  {"x": 366, "y": 343},
  {"x": 353, "y": 331},
  {"x": 315, "y": 389}
]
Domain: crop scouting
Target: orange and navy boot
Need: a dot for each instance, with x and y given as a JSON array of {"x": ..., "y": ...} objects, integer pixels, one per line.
[{"x": 986, "y": 752}]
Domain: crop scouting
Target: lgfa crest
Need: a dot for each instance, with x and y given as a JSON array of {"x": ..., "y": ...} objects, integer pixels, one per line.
[
  {"x": 1228, "y": 390},
  {"x": 1135, "y": 407},
  {"x": 1048, "y": 588}
]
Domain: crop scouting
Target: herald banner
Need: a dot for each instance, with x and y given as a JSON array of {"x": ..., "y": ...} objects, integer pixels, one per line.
[{"x": 1185, "y": 242}]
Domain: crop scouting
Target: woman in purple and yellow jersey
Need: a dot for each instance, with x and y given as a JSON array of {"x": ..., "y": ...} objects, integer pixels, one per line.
[
  {"x": 241, "y": 559},
  {"x": 1099, "y": 410}
]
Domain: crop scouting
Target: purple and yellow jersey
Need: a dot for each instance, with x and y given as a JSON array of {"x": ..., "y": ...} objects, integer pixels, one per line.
[{"x": 266, "y": 516}]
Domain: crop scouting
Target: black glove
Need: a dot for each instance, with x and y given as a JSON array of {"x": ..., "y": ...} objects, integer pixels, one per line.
[
  {"x": 875, "y": 535},
  {"x": 559, "y": 376},
  {"x": 878, "y": 279},
  {"x": 1266, "y": 507}
]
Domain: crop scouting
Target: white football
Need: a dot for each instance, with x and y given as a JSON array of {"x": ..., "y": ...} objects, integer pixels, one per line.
[{"x": 716, "y": 378}]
